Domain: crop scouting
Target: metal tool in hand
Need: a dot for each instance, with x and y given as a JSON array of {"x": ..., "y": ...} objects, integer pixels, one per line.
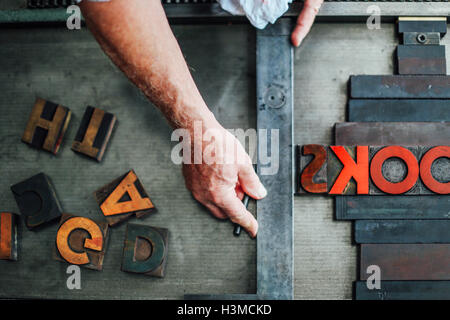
[{"x": 237, "y": 228}]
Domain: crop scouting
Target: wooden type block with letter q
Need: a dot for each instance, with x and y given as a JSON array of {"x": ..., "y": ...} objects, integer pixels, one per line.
[
  {"x": 81, "y": 241},
  {"x": 8, "y": 236},
  {"x": 94, "y": 133},
  {"x": 145, "y": 250},
  {"x": 122, "y": 198},
  {"x": 37, "y": 201},
  {"x": 46, "y": 125}
]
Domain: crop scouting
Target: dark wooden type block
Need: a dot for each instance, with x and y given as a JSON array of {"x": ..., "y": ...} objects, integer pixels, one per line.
[
  {"x": 422, "y": 24},
  {"x": 402, "y": 231},
  {"x": 392, "y": 207},
  {"x": 46, "y": 125},
  {"x": 421, "y": 38},
  {"x": 404, "y": 290},
  {"x": 392, "y": 133},
  {"x": 407, "y": 261},
  {"x": 145, "y": 250},
  {"x": 398, "y": 110},
  {"x": 81, "y": 241},
  {"x": 8, "y": 236},
  {"x": 124, "y": 197},
  {"x": 37, "y": 201},
  {"x": 314, "y": 178},
  {"x": 94, "y": 132},
  {"x": 421, "y": 60},
  {"x": 400, "y": 87}
]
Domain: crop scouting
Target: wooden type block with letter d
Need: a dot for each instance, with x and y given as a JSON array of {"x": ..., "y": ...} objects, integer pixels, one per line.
[
  {"x": 94, "y": 133},
  {"x": 81, "y": 241},
  {"x": 46, "y": 125},
  {"x": 8, "y": 236},
  {"x": 37, "y": 201},
  {"x": 145, "y": 250},
  {"x": 123, "y": 198}
]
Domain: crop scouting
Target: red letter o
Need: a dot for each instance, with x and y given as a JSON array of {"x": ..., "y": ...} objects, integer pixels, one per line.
[{"x": 425, "y": 169}]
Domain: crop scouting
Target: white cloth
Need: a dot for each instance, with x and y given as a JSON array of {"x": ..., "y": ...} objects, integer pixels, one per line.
[{"x": 259, "y": 12}]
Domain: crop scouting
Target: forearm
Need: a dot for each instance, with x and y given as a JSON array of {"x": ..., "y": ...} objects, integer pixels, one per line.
[{"x": 137, "y": 37}]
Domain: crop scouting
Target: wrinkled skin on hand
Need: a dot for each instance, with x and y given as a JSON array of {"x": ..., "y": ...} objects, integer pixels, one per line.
[{"x": 220, "y": 184}]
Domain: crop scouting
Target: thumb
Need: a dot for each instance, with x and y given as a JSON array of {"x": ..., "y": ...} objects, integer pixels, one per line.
[{"x": 250, "y": 182}]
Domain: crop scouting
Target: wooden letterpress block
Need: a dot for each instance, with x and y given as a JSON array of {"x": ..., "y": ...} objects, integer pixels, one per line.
[
  {"x": 348, "y": 170},
  {"x": 422, "y": 24},
  {"x": 123, "y": 198},
  {"x": 46, "y": 125},
  {"x": 402, "y": 231},
  {"x": 94, "y": 133},
  {"x": 421, "y": 60},
  {"x": 81, "y": 241},
  {"x": 394, "y": 170},
  {"x": 8, "y": 236},
  {"x": 398, "y": 110},
  {"x": 435, "y": 170},
  {"x": 400, "y": 87},
  {"x": 312, "y": 162},
  {"x": 145, "y": 250},
  {"x": 404, "y": 290},
  {"x": 37, "y": 200},
  {"x": 407, "y": 261}
]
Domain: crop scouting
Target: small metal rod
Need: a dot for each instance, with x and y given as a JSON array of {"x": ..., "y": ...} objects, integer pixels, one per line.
[{"x": 238, "y": 228}]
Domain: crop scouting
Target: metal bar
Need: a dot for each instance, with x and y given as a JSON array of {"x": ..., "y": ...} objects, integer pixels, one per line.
[
  {"x": 401, "y": 110},
  {"x": 392, "y": 133},
  {"x": 330, "y": 11},
  {"x": 404, "y": 290},
  {"x": 274, "y": 58},
  {"x": 392, "y": 207},
  {"x": 402, "y": 231},
  {"x": 400, "y": 87}
]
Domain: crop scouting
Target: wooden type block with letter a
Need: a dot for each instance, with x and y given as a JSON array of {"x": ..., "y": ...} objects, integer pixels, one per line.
[
  {"x": 145, "y": 250},
  {"x": 46, "y": 125},
  {"x": 122, "y": 198},
  {"x": 94, "y": 133},
  {"x": 81, "y": 241},
  {"x": 8, "y": 236},
  {"x": 37, "y": 200}
]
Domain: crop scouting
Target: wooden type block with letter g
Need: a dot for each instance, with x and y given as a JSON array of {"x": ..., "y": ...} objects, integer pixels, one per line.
[
  {"x": 37, "y": 200},
  {"x": 8, "y": 236},
  {"x": 122, "y": 198},
  {"x": 46, "y": 125},
  {"x": 145, "y": 250},
  {"x": 81, "y": 241},
  {"x": 94, "y": 133}
]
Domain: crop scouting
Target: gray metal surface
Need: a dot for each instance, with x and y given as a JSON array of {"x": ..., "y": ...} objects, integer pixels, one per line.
[
  {"x": 70, "y": 68},
  {"x": 275, "y": 106}
]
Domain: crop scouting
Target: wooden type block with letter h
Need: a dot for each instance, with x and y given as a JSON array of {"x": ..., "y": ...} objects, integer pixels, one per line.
[
  {"x": 94, "y": 133},
  {"x": 37, "y": 201},
  {"x": 145, "y": 250},
  {"x": 46, "y": 125},
  {"x": 81, "y": 241},
  {"x": 122, "y": 198},
  {"x": 8, "y": 236}
]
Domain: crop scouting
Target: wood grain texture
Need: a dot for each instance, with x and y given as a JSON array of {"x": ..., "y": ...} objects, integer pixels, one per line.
[
  {"x": 404, "y": 290},
  {"x": 407, "y": 261},
  {"x": 8, "y": 236}
]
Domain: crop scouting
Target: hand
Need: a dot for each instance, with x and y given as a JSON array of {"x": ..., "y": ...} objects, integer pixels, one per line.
[
  {"x": 220, "y": 184},
  {"x": 305, "y": 20}
]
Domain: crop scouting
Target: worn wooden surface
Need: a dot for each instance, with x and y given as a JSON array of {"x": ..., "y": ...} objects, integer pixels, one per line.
[
  {"x": 404, "y": 290},
  {"x": 204, "y": 257}
]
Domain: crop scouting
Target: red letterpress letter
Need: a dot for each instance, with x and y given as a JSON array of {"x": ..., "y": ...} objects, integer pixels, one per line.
[
  {"x": 358, "y": 170},
  {"x": 307, "y": 178},
  {"x": 425, "y": 169}
]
